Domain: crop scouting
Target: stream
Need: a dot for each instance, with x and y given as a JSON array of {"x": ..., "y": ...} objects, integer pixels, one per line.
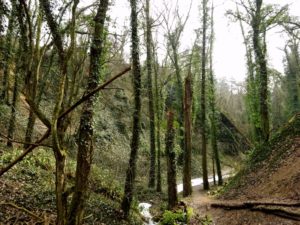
[{"x": 144, "y": 207}]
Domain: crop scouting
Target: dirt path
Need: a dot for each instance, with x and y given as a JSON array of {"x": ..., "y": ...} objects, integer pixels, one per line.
[{"x": 201, "y": 202}]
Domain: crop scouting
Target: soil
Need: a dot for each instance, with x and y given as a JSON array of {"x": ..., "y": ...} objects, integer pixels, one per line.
[{"x": 276, "y": 179}]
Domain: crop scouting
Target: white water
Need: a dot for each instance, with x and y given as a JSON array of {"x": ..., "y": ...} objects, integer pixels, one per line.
[
  {"x": 145, "y": 212},
  {"x": 145, "y": 207}
]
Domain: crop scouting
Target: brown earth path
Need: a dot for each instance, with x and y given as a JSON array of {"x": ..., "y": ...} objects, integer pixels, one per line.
[{"x": 201, "y": 202}]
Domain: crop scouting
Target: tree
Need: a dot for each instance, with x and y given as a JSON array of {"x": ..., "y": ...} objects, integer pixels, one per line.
[
  {"x": 136, "y": 71},
  {"x": 173, "y": 38},
  {"x": 85, "y": 143},
  {"x": 203, "y": 96},
  {"x": 171, "y": 155},
  {"x": 158, "y": 112},
  {"x": 261, "y": 18},
  {"x": 187, "y": 185},
  {"x": 8, "y": 52},
  {"x": 292, "y": 77},
  {"x": 150, "y": 97},
  {"x": 259, "y": 47},
  {"x": 212, "y": 104}
]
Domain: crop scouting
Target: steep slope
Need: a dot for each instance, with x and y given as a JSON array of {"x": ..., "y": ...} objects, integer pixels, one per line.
[
  {"x": 262, "y": 193},
  {"x": 271, "y": 175}
]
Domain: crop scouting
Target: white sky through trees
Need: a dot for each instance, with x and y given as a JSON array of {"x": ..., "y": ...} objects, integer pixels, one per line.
[{"x": 229, "y": 51}]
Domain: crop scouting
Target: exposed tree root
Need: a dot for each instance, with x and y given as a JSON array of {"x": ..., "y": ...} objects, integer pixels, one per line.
[{"x": 274, "y": 208}]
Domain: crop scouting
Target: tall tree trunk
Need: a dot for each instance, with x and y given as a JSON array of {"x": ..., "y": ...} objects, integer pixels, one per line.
[
  {"x": 8, "y": 55},
  {"x": 131, "y": 170},
  {"x": 58, "y": 126},
  {"x": 158, "y": 109},
  {"x": 203, "y": 97},
  {"x": 251, "y": 82},
  {"x": 171, "y": 160},
  {"x": 33, "y": 83},
  {"x": 180, "y": 104},
  {"x": 12, "y": 120},
  {"x": 150, "y": 98},
  {"x": 259, "y": 46},
  {"x": 85, "y": 143},
  {"x": 213, "y": 117},
  {"x": 187, "y": 185}
]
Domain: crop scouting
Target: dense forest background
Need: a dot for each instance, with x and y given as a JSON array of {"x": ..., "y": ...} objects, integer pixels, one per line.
[{"x": 94, "y": 121}]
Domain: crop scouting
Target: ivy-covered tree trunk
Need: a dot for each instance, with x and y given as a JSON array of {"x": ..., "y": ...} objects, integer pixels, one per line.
[
  {"x": 12, "y": 120},
  {"x": 85, "y": 140},
  {"x": 150, "y": 98},
  {"x": 158, "y": 112},
  {"x": 58, "y": 126},
  {"x": 136, "y": 70},
  {"x": 203, "y": 97},
  {"x": 8, "y": 54},
  {"x": 187, "y": 185},
  {"x": 260, "y": 50},
  {"x": 20, "y": 67},
  {"x": 180, "y": 117},
  {"x": 32, "y": 86},
  {"x": 171, "y": 160}
]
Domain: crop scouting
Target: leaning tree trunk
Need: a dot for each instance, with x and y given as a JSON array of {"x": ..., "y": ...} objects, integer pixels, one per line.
[
  {"x": 187, "y": 185},
  {"x": 85, "y": 143},
  {"x": 171, "y": 160},
  {"x": 131, "y": 170},
  {"x": 150, "y": 98}
]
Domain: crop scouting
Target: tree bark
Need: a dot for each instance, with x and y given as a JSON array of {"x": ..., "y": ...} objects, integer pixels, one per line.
[
  {"x": 158, "y": 111},
  {"x": 131, "y": 170},
  {"x": 151, "y": 183},
  {"x": 171, "y": 160},
  {"x": 187, "y": 185},
  {"x": 259, "y": 46}
]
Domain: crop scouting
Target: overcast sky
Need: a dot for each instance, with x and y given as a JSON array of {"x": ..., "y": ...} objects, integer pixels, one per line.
[{"x": 229, "y": 52}]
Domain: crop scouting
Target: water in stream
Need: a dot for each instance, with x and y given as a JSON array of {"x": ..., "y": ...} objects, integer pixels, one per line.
[
  {"x": 145, "y": 212},
  {"x": 145, "y": 207}
]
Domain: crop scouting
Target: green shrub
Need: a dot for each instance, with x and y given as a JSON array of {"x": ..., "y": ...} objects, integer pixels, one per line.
[{"x": 177, "y": 217}]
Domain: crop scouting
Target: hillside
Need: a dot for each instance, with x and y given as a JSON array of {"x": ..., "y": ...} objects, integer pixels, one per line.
[{"x": 265, "y": 190}]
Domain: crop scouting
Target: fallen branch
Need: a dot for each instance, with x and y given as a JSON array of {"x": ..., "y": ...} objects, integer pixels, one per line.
[
  {"x": 22, "y": 209},
  {"x": 26, "y": 152},
  {"x": 282, "y": 212},
  {"x": 274, "y": 208},
  {"x": 22, "y": 142},
  {"x": 249, "y": 204}
]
